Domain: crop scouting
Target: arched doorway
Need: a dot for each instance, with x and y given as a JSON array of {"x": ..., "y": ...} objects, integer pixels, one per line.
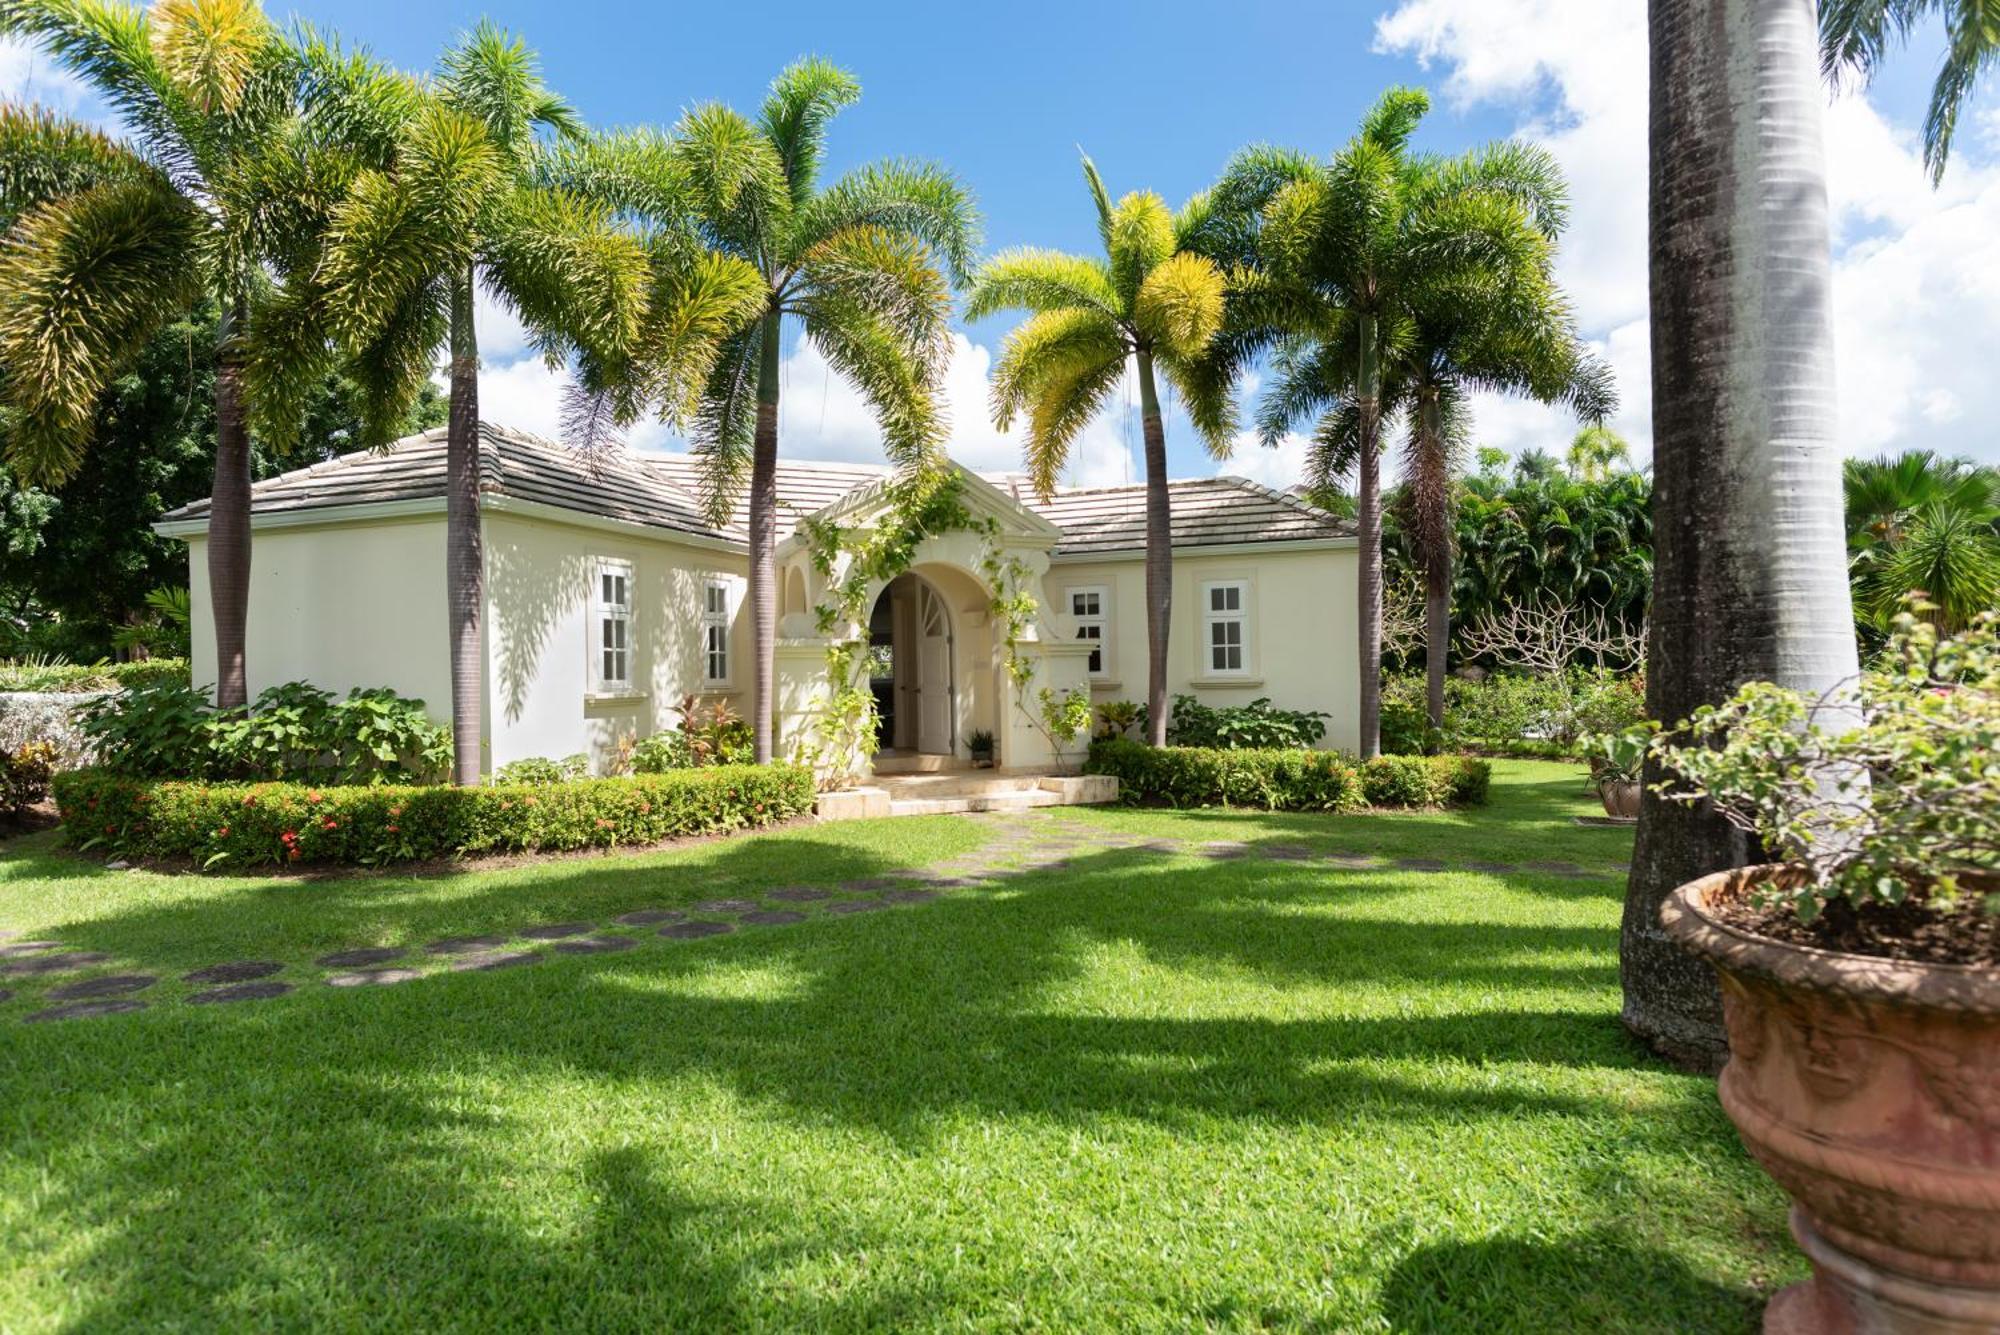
[{"x": 913, "y": 668}]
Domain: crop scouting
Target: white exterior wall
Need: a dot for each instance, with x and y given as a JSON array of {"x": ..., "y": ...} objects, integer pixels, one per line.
[{"x": 1301, "y": 623}]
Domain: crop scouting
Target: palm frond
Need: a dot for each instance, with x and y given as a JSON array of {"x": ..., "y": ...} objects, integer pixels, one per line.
[
  {"x": 210, "y": 50},
  {"x": 892, "y": 277},
  {"x": 734, "y": 179},
  {"x": 493, "y": 77},
  {"x": 108, "y": 46},
  {"x": 726, "y": 426},
  {"x": 916, "y": 199},
  {"x": 1179, "y": 306},
  {"x": 803, "y": 100},
  {"x": 1142, "y": 236},
  {"x": 44, "y": 155},
  {"x": 899, "y": 389},
  {"x": 390, "y": 369},
  {"x": 347, "y": 99},
  {"x": 1045, "y": 347},
  {"x": 1042, "y": 280},
  {"x": 632, "y": 171},
  {"x": 576, "y": 279},
  {"x": 1100, "y": 200},
  {"x": 1066, "y": 399},
  {"x": 698, "y": 304},
  {"x": 1394, "y": 118},
  {"x": 287, "y": 356}
]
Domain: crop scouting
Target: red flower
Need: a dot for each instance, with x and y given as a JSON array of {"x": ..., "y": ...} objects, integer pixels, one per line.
[
  {"x": 328, "y": 826},
  {"x": 392, "y": 829},
  {"x": 295, "y": 855},
  {"x": 527, "y": 801},
  {"x": 603, "y": 824},
  {"x": 250, "y": 800},
  {"x": 222, "y": 833},
  {"x": 111, "y": 829},
  {"x": 313, "y": 798}
]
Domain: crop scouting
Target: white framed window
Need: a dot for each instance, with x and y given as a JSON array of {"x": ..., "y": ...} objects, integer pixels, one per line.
[
  {"x": 1225, "y": 628},
  {"x": 611, "y": 646},
  {"x": 715, "y": 600},
  {"x": 1090, "y": 608}
]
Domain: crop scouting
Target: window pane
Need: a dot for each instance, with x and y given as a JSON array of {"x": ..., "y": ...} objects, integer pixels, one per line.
[{"x": 1096, "y": 660}]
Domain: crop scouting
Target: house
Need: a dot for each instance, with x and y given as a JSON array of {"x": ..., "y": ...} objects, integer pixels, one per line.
[{"x": 610, "y": 597}]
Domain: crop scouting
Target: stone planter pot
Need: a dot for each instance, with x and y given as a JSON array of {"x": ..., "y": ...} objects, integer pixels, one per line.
[
  {"x": 1621, "y": 799},
  {"x": 1870, "y": 1089}
]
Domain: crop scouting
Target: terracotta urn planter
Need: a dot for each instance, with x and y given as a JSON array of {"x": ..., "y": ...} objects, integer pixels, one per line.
[
  {"x": 1621, "y": 799},
  {"x": 1870, "y": 1089}
]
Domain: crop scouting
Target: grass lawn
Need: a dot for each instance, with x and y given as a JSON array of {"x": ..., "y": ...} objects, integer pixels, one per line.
[{"x": 1146, "y": 1089}]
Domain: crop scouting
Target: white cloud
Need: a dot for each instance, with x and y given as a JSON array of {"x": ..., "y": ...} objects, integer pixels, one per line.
[
  {"x": 1278, "y": 466},
  {"x": 28, "y": 75},
  {"x": 1915, "y": 270}
]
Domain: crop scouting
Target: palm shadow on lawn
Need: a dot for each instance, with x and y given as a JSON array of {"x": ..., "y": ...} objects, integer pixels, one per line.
[{"x": 884, "y": 1025}]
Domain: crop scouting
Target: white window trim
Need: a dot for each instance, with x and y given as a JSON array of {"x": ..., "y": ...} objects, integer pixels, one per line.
[
  {"x": 1241, "y": 616},
  {"x": 1102, "y": 621},
  {"x": 602, "y": 612},
  {"x": 725, "y": 620}
]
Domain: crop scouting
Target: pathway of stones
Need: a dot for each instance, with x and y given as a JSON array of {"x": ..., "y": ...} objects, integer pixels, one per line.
[{"x": 1018, "y": 845}]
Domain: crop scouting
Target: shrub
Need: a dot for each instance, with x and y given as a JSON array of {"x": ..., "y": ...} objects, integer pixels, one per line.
[
  {"x": 542, "y": 770},
  {"x": 1289, "y": 779},
  {"x": 83, "y": 678},
  {"x": 1116, "y": 718},
  {"x": 242, "y": 825},
  {"x": 707, "y": 735},
  {"x": 1255, "y": 726},
  {"x": 25, "y": 774}
]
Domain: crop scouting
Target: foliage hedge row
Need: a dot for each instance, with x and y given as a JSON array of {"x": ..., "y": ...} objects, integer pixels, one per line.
[
  {"x": 1286, "y": 780},
  {"x": 82, "y": 678},
  {"x": 243, "y": 825}
]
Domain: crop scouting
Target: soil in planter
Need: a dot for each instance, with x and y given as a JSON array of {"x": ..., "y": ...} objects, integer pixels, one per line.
[{"x": 1911, "y": 930}]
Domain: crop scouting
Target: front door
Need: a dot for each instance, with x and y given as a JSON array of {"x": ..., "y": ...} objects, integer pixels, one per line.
[{"x": 934, "y": 675}]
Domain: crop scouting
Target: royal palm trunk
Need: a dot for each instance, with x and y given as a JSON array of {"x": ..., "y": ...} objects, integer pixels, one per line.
[
  {"x": 1368, "y": 531},
  {"x": 1750, "y": 571},
  {"x": 229, "y": 516},
  {"x": 763, "y": 540},
  {"x": 1434, "y": 530},
  {"x": 464, "y": 556},
  {"x": 1159, "y": 554}
]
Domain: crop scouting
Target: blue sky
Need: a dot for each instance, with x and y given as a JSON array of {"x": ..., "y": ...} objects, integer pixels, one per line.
[{"x": 1004, "y": 96}]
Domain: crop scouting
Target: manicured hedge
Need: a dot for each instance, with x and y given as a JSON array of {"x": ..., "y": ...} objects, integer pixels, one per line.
[
  {"x": 227, "y": 826},
  {"x": 1286, "y": 780},
  {"x": 82, "y": 678}
]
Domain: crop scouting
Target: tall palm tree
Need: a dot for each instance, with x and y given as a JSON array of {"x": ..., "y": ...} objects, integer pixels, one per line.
[
  {"x": 1596, "y": 452},
  {"x": 864, "y": 265},
  {"x": 1149, "y": 301},
  {"x": 1340, "y": 259},
  {"x": 1750, "y": 581},
  {"x": 114, "y": 239},
  {"x": 458, "y": 207},
  {"x": 1855, "y": 36}
]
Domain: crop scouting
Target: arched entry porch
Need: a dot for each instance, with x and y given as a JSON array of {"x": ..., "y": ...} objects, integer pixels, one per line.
[{"x": 913, "y": 669}]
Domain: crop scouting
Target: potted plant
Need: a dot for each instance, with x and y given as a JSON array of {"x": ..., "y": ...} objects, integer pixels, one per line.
[
  {"x": 980, "y": 745},
  {"x": 1861, "y": 972},
  {"x": 1616, "y": 759}
]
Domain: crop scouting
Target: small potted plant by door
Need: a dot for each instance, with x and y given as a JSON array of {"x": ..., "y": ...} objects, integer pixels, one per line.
[
  {"x": 1616, "y": 759},
  {"x": 1861, "y": 973},
  {"x": 980, "y": 747}
]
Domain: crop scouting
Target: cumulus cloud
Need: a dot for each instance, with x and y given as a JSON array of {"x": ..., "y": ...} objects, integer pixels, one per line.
[{"x": 28, "y": 75}]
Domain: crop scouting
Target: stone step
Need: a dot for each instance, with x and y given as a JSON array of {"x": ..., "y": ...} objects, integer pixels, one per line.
[{"x": 946, "y": 806}]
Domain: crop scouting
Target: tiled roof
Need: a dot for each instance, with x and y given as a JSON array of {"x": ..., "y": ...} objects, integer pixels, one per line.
[{"x": 662, "y": 490}]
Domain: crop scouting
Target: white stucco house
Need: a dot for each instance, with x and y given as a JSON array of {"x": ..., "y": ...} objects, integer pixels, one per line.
[{"x": 610, "y": 597}]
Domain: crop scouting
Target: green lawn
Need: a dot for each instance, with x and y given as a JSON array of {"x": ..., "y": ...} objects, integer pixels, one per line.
[{"x": 1143, "y": 1090}]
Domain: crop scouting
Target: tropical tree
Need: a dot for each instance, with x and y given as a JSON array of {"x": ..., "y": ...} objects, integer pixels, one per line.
[
  {"x": 1150, "y": 302},
  {"x": 1750, "y": 582},
  {"x": 458, "y": 206},
  {"x": 863, "y": 265},
  {"x": 1385, "y": 280},
  {"x": 1919, "y": 521},
  {"x": 1855, "y": 37},
  {"x": 1596, "y": 452},
  {"x": 112, "y": 239}
]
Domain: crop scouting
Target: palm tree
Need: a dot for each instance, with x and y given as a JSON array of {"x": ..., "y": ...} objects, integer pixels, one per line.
[
  {"x": 114, "y": 239},
  {"x": 1596, "y": 452},
  {"x": 1855, "y": 36},
  {"x": 1341, "y": 260},
  {"x": 864, "y": 265},
  {"x": 460, "y": 206},
  {"x": 1918, "y": 521},
  {"x": 1148, "y": 301},
  {"x": 1750, "y": 581}
]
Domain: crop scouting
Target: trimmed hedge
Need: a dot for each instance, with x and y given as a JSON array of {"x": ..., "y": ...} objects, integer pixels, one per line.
[
  {"x": 83, "y": 678},
  {"x": 256, "y": 824},
  {"x": 1286, "y": 780}
]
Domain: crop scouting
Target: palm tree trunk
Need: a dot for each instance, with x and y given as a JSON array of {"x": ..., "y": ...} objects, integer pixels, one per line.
[
  {"x": 229, "y": 516},
  {"x": 464, "y": 560},
  {"x": 1434, "y": 523},
  {"x": 1750, "y": 570},
  {"x": 1159, "y": 554},
  {"x": 763, "y": 540},
  {"x": 1368, "y": 528},
  {"x": 1437, "y": 632}
]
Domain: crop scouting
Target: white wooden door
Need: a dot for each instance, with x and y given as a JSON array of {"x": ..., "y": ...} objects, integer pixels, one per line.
[{"x": 934, "y": 693}]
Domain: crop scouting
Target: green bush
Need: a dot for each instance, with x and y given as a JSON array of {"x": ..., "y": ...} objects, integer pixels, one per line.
[
  {"x": 708, "y": 735},
  {"x": 542, "y": 770},
  {"x": 25, "y": 775},
  {"x": 1287, "y": 779},
  {"x": 1510, "y": 713},
  {"x": 1255, "y": 726},
  {"x": 246, "y": 825},
  {"x": 82, "y": 678}
]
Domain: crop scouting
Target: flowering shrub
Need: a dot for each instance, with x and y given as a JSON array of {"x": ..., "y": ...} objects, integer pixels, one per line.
[
  {"x": 1288, "y": 779},
  {"x": 239, "y": 825},
  {"x": 1887, "y": 784}
]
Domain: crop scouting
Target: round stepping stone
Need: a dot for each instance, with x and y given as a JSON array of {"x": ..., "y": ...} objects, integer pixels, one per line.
[
  {"x": 63, "y": 963},
  {"x": 239, "y": 992},
  {"x": 868, "y": 883},
  {"x": 20, "y": 948},
  {"x": 555, "y": 931},
  {"x": 1352, "y": 858},
  {"x": 689, "y": 931},
  {"x": 1286, "y": 852},
  {"x": 488, "y": 961},
  {"x": 1419, "y": 864},
  {"x": 372, "y": 977},
  {"x": 1557, "y": 868},
  {"x": 910, "y": 896},
  {"x": 726, "y": 906},
  {"x": 236, "y": 971},
  {"x": 594, "y": 945},
  {"x": 465, "y": 945},
  {"x": 111, "y": 985},
  {"x": 773, "y": 917},
  {"x": 647, "y": 917},
  {"x": 81, "y": 1010},
  {"x": 1492, "y": 868},
  {"x": 799, "y": 894},
  {"x": 856, "y": 906},
  {"x": 361, "y": 957}
]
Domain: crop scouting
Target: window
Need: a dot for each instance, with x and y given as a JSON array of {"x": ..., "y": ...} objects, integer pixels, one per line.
[
  {"x": 614, "y": 626},
  {"x": 1225, "y": 614},
  {"x": 1090, "y": 608},
  {"x": 715, "y": 632}
]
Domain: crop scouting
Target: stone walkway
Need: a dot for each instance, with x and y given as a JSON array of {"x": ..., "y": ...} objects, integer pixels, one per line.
[{"x": 1020, "y": 845}]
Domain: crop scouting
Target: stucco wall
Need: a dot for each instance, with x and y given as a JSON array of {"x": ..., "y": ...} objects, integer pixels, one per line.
[{"x": 1301, "y": 621}]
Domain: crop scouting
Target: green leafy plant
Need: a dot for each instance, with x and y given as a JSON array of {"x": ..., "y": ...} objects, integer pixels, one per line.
[
  {"x": 540, "y": 770},
  {"x": 1117, "y": 718},
  {"x": 1258, "y": 725},
  {"x": 25, "y": 774},
  {"x": 1618, "y": 757},
  {"x": 1065, "y": 715},
  {"x": 1287, "y": 779},
  {"x": 980, "y": 745},
  {"x": 46, "y": 676},
  {"x": 1886, "y": 787},
  {"x": 163, "y": 629}
]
